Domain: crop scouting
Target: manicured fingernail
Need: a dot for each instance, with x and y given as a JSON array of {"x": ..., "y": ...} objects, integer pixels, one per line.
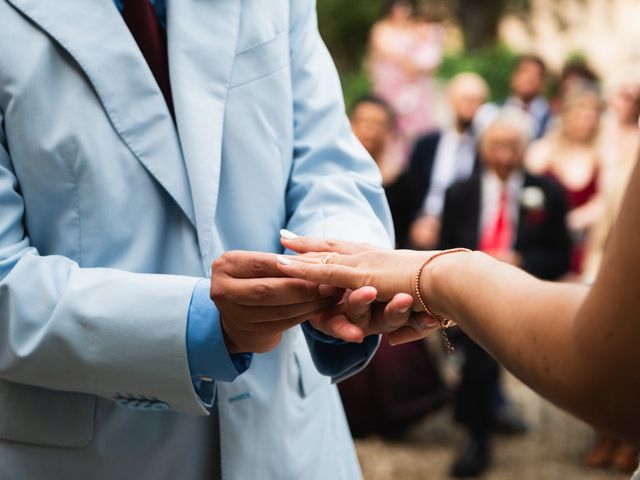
[
  {"x": 287, "y": 235},
  {"x": 326, "y": 290},
  {"x": 283, "y": 260}
]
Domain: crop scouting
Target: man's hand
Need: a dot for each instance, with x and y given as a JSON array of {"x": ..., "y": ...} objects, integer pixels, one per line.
[
  {"x": 257, "y": 302},
  {"x": 359, "y": 315},
  {"x": 507, "y": 256},
  {"x": 424, "y": 232}
]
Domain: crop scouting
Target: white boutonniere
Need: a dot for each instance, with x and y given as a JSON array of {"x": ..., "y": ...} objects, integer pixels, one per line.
[{"x": 532, "y": 198}]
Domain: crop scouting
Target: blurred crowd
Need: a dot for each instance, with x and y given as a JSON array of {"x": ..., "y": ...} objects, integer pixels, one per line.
[{"x": 535, "y": 181}]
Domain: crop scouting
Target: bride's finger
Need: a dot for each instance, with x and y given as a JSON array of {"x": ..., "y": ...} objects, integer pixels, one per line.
[
  {"x": 340, "y": 276},
  {"x": 324, "y": 258},
  {"x": 309, "y": 244}
]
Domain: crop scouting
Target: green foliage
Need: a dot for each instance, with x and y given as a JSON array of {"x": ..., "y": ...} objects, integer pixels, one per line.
[
  {"x": 493, "y": 63},
  {"x": 345, "y": 26},
  {"x": 355, "y": 85}
]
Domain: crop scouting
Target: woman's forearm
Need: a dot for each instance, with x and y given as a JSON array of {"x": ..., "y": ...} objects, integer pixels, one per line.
[{"x": 536, "y": 330}]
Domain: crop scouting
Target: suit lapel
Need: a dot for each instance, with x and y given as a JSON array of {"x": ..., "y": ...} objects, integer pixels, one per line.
[
  {"x": 202, "y": 43},
  {"x": 97, "y": 38}
]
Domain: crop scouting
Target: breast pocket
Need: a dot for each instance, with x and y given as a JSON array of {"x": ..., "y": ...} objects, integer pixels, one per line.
[
  {"x": 261, "y": 60},
  {"x": 45, "y": 417}
]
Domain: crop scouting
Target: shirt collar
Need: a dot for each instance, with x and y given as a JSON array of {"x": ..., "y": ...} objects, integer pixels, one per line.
[{"x": 514, "y": 183}]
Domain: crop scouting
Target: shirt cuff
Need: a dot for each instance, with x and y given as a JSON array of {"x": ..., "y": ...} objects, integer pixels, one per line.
[
  {"x": 321, "y": 337},
  {"x": 209, "y": 360}
]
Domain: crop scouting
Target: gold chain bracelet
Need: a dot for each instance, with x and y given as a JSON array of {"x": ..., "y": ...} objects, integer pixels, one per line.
[{"x": 445, "y": 322}]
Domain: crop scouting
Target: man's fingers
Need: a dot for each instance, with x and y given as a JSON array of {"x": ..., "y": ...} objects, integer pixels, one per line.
[
  {"x": 339, "y": 276},
  {"x": 241, "y": 264},
  {"x": 268, "y": 315},
  {"x": 417, "y": 329},
  {"x": 338, "y": 326},
  {"x": 397, "y": 312},
  {"x": 309, "y": 244},
  {"x": 269, "y": 292},
  {"x": 358, "y": 306},
  {"x": 405, "y": 334},
  {"x": 283, "y": 325}
]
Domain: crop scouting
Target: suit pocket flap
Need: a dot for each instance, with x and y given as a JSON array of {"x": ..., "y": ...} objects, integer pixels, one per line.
[
  {"x": 310, "y": 378},
  {"x": 261, "y": 60},
  {"x": 45, "y": 417}
]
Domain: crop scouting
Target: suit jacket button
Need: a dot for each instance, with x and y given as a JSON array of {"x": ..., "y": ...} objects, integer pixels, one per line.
[{"x": 159, "y": 407}]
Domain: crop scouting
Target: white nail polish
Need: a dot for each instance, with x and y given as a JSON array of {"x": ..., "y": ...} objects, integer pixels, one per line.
[
  {"x": 287, "y": 235},
  {"x": 283, "y": 260}
]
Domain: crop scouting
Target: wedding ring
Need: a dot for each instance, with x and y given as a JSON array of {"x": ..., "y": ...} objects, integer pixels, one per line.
[{"x": 329, "y": 258}]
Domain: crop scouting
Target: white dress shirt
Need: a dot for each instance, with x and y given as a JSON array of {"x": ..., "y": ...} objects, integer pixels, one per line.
[{"x": 455, "y": 157}]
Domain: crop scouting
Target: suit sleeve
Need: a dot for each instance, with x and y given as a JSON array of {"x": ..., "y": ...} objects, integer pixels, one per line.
[
  {"x": 335, "y": 187},
  {"x": 88, "y": 330}
]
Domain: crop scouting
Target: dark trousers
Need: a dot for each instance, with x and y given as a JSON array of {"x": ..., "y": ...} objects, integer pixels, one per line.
[{"x": 476, "y": 395}]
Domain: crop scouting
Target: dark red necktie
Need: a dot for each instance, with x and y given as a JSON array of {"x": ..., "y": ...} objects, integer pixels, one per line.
[{"x": 141, "y": 18}]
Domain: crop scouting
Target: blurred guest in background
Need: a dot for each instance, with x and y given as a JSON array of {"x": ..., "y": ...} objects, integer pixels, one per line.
[
  {"x": 620, "y": 142},
  {"x": 373, "y": 122},
  {"x": 404, "y": 54},
  {"x": 519, "y": 219},
  {"x": 438, "y": 159},
  {"x": 574, "y": 72},
  {"x": 571, "y": 154},
  {"x": 528, "y": 82}
]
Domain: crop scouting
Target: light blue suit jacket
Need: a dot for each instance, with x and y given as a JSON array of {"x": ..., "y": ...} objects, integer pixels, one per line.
[{"x": 109, "y": 216}]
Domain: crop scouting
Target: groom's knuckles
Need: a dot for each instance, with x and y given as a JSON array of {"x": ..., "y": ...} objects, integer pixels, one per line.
[
  {"x": 262, "y": 292},
  {"x": 243, "y": 264}
]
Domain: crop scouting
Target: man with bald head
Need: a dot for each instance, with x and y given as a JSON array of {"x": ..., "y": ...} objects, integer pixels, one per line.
[
  {"x": 439, "y": 159},
  {"x": 517, "y": 218}
]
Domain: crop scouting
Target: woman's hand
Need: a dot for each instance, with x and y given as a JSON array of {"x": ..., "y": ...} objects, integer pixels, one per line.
[{"x": 353, "y": 266}]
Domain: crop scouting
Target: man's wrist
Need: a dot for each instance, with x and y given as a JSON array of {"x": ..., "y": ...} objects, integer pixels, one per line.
[{"x": 232, "y": 347}]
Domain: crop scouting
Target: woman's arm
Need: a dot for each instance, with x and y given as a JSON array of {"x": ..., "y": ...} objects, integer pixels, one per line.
[{"x": 577, "y": 346}]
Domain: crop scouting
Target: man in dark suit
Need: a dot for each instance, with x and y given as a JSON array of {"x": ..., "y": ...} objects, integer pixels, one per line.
[
  {"x": 519, "y": 219},
  {"x": 438, "y": 159}
]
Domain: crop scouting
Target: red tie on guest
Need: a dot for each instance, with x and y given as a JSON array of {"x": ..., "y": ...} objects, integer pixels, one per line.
[
  {"x": 498, "y": 234},
  {"x": 141, "y": 18}
]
